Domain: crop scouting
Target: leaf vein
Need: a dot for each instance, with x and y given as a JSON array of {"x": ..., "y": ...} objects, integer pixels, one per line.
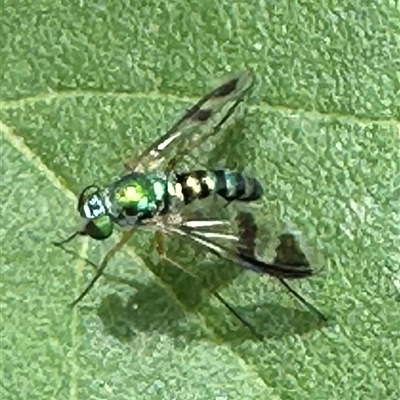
[{"x": 154, "y": 95}]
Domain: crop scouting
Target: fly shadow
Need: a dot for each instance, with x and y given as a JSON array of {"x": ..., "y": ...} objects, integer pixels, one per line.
[{"x": 151, "y": 309}]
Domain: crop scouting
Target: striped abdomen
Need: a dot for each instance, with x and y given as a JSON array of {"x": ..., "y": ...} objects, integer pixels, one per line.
[{"x": 227, "y": 184}]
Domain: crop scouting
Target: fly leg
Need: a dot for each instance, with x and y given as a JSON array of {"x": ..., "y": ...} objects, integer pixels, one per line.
[
  {"x": 125, "y": 237},
  {"x": 160, "y": 248},
  {"x": 159, "y": 240}
]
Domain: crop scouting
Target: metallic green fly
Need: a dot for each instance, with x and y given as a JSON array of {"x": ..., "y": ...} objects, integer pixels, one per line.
[{"x": 152, "y": 193}]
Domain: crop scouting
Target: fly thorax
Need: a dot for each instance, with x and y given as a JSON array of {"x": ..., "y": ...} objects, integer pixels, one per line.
[{"x": 137, "y": 197}]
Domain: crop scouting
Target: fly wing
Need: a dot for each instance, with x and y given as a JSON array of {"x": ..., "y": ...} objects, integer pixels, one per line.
[
  {"x": 235, "y": 241},
  {"x": 203, "y": 120},
  {"x": 287, "y": 250}
]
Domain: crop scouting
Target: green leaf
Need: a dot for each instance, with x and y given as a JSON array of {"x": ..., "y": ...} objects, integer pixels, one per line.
[{"x": 86, "y": 84}]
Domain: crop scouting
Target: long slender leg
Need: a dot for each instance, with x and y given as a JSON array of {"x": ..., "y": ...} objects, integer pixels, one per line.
[
  {"x": 125, "y": 237},
  {"x": 238, "y": 316},
  {"x": 159, "y": 238},
  {"x": 76, "y": 255},
  {"x": 303, "y": 300}
]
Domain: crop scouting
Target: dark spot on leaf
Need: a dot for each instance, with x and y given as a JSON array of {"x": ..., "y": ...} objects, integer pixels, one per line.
[
  {"x": 203, "y": 115},
  {"x": 226, "y": 89}
]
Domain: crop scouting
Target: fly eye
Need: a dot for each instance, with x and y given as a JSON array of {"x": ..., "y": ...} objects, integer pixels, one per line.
[
  {"x": 99, "y": 228},
  {"x": 86, "y": 193}
]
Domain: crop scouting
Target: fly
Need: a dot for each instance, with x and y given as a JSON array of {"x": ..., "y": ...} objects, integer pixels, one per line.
[{"x": 152, "y": 193}]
